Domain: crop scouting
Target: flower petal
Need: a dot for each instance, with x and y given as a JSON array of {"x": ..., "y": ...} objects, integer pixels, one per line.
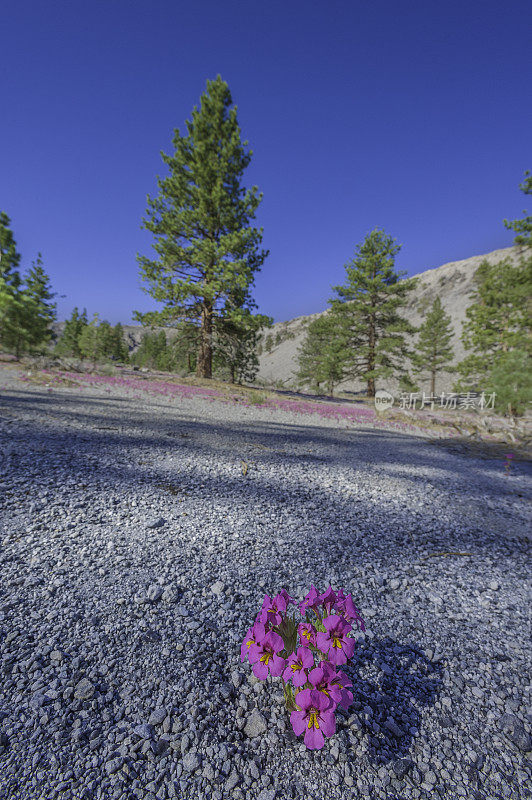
[
  {"x": 277, "y": 666},
  {"x": 303, "y": 699},
  {"x": 314, "y": 738},
  {"x": 260, "y": 670},
  {"x": 298, "y": 720},
  {"x": 327, "y": 723}
]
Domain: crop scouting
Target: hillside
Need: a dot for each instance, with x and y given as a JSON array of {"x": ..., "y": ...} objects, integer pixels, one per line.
[{"x": 452, "y": 282}]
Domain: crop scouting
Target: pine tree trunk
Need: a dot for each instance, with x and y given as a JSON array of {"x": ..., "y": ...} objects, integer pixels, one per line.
[
  {"x": 204, "y": 366},
  {"x": 433, "y": 383},
  {"x": 371, "y": 356}
]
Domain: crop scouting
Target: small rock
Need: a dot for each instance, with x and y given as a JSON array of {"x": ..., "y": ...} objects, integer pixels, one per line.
[
  {"x": 37, "y": 701},
  {"x": 494, "y": 586},
  {"x": 232, "y": 781},
  {"x": 156, "y": 523},
  {"x": 144, "y": 731},
  {"x": 217, "y": 588},
  {"x": 56, "y": 655},
  {"x": 391, "y": 725},
  {"x": 157, "y": 716},
  {"x": 255, "y": 725},
  {"x": 191, "y": 761},
  {"x": 402, "y": 766},
  {"x": 236, "y": 678},
  {"x": 208, "y": 772},
  {"x": 395, "y": 584},
  {"x": 113, "y": 766},
  {"x": 267, "y": 794},
  {"x": 154, "y": 593},
  {"x": 436, "y": 599},
  {"x": 84, "y": 690}
]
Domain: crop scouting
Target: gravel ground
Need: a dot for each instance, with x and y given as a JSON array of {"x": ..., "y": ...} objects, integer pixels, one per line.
[{"x": 134, "y": 554}]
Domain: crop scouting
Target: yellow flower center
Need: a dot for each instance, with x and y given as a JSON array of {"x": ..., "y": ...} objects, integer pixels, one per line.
[
  {"x": 313, "y": 720},
  {"x": 337, "y": 642},
  {"x": 295, "y": 666},
  {"x": 249, "y": 643},
  {"x": 265, "y": 658}
]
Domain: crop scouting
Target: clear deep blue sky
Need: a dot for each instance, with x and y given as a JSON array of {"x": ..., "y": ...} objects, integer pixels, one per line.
[{"x": 412, "y": 116}]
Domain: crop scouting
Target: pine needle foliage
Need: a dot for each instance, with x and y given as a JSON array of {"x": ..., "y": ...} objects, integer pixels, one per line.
[
  {"x": 369, "y": 305},
  {"x": 207, "y": 250},
  {"x": 434, "y": 351},
  {"x": 322, "y": 355}
]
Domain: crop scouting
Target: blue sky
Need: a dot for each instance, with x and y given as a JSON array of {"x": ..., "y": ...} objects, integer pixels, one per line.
[{"x": 414, "y": 117}]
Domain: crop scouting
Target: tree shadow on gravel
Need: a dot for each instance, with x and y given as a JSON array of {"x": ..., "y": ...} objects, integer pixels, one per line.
[{"x": 393, "y": 684}]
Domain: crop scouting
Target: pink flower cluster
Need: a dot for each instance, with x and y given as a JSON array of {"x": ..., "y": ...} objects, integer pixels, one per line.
[{"x": 306, "y": 654}]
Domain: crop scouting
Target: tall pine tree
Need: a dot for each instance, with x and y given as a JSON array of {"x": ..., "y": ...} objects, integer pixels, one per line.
[
  {"x": 369, "y": 303},
  {"x": 207, "y": 249},
  {"x": 11, "y": 304},
  {"x": 497, "y": 331},
  {"x": 434, "y": 351},
  {"x": 322, "y": 356},
  {"x": 41, "y": 311}
]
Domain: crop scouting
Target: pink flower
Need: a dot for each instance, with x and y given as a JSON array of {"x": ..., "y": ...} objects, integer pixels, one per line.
[
  {"x": 347, "y": 609},
  {"x": 315, "y": 719},
  {"x": 264, "y": 656},
  {"x": 272, "y": 609},
  {"x": 255, "y": 635},
  {"x": 310, "y": 601},
  {"x": 307, "y": 633},
  {"x": 297, "y": 665},
  {"x": 334, "y": 642},
  {"x": 333, "y": 684},
  {"x": 328, "y": 600}
]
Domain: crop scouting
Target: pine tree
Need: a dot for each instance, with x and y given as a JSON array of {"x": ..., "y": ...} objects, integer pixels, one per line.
[
  {"x": 9, "y": 257},
  {"x": 41, "y": 312},
  {"x": 89, "y": 341},
  {"x": 369, "y": 303},
  {"x": 13, "y": 315},
  {"x": 498, "y": 320},
  {"x": 11, "y": 304},
  {"x": 105, "y": 342},
  {"x": 68, "y": 343},
  {"x": 322, "y": 355},
  {"x": 206, "y": 248},
  {"x": 237, "y": 344},
  {"x": 434, "y": 351},
  {"x": 119, "y": 350},
  {"x": 510, "y": 379},
  {"x": 523, "y": 227},
  {"x": 497, "y": 328}
]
